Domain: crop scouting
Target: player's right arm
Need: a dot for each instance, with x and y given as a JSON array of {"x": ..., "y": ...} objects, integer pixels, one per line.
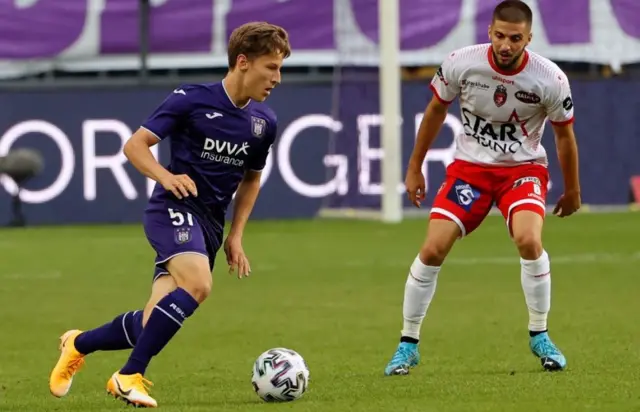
[
  {"x": 138, "y": 151},
  {"x": 445, "y": 89},
  {"x": 164, "y": 121}
]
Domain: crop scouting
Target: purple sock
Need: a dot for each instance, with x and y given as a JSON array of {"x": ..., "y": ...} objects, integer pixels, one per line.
[
  {"x": 121, "y": 333},
  {"x": 165, "y": 321}
]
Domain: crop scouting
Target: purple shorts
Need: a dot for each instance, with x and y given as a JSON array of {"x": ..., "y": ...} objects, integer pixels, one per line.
[{"x": 172, "y": 232}]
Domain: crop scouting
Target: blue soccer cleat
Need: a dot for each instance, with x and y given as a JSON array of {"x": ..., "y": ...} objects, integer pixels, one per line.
[
  {"x": 550, "y": 356},
  {"x": 406, "y": 356}
]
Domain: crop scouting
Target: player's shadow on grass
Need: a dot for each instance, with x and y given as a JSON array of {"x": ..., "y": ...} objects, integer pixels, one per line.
[
  {"x": 220, "y": 403},
  {"x": 504, "y": 371},
  {"x": 513, "y": 372}
]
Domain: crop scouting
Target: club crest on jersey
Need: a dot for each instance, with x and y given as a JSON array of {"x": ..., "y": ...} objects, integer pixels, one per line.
[
  {"x": 183, "y": 235},
  {"x": 500, "y": 95},
  {"x": 258, "y": 126}
]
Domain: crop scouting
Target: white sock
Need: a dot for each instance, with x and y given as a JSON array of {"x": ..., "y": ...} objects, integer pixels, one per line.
[
  {"x": 418, "y": 292},
  {"x": 536, "y": 284}
]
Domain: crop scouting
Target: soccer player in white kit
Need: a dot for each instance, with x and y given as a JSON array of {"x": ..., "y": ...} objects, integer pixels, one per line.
[{"x": 506, "y": 95}]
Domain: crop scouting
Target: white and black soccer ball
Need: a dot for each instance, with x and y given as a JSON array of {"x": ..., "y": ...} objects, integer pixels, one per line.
[{"x": 280, "y": 375}]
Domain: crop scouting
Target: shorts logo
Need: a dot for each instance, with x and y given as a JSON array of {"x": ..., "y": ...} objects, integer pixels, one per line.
[
  {"x": 463, "y": 194},
  {"x": 524, "y": 180},
  {"x": 182, "y": 235},
  {"x": 500, "y": 95}
]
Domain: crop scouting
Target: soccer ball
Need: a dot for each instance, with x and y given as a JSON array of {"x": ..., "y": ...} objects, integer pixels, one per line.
[{"x": 280, "y": 375}]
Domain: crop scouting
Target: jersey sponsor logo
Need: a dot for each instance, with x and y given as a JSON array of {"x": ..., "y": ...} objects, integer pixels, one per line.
[
  {"x": 474, "y": 84},
  {"x": 441, "y": 76},
  {"x": 500, "y": 137},
  {"x": 500, "y": 95},
  {"x": 502, "y": 80},
  {"x": 463, "y": 194},
  {"x": 224, "y": 152},
  {"x": 527, "y": 97},
  {"x": 258, "y": 126},
  {"x": 567, "y": 103}
]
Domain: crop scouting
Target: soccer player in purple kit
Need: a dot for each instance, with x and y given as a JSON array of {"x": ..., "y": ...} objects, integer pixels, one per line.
[{"x": 220, "y": 136}]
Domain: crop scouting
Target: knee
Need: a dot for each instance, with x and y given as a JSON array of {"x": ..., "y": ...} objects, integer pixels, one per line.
[
  {"x": 199, "y": 288},
  {"x": 433, "y": 254},
  {"x": 192, "y": 274},
  {"x": 529, "y": 244}
]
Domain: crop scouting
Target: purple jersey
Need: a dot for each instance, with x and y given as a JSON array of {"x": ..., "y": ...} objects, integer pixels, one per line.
[{"x": 213, "y": 141}]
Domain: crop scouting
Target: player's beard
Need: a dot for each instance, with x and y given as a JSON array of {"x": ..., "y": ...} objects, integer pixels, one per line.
[{"x": 512, "y": 63}]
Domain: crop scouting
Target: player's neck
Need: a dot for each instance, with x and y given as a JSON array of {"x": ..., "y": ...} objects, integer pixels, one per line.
[{"x": 233, "y": 86}]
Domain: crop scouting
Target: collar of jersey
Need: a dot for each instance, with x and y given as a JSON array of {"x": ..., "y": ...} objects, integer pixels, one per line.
[{"x": 231, "y": 100}]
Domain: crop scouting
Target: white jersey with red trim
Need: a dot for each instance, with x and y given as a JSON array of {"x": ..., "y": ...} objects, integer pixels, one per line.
[{"x": 503, "y": 113}]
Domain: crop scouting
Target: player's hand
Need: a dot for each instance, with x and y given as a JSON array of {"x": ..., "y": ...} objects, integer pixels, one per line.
[
  {"x": 568, "y": 204},
  {"x": 415, "y": 184},
  {"x": 180, "y": 185},
  {"x": 236, "y": 259}
]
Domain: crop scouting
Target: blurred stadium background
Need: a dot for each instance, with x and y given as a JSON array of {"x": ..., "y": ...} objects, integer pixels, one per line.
[{"x": 77, "y": 77}]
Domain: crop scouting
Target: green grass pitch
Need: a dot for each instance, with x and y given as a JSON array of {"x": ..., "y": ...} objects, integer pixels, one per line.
[{"x": 332, "y": 290}]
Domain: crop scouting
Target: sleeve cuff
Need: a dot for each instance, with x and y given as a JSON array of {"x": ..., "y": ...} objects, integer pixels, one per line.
[
  {"x": 435, "y": 93},
  {"x": 152, "y": 132},
  {"x": 563, "y": 122}
]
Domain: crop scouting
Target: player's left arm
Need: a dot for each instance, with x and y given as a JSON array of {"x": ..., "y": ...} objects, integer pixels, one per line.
[
  {"x": 245, "y": 199},
  {"x": 249, "y": 187},
  {"x": 568, "y": 156},
  {"x": 560, "y": 111}
]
